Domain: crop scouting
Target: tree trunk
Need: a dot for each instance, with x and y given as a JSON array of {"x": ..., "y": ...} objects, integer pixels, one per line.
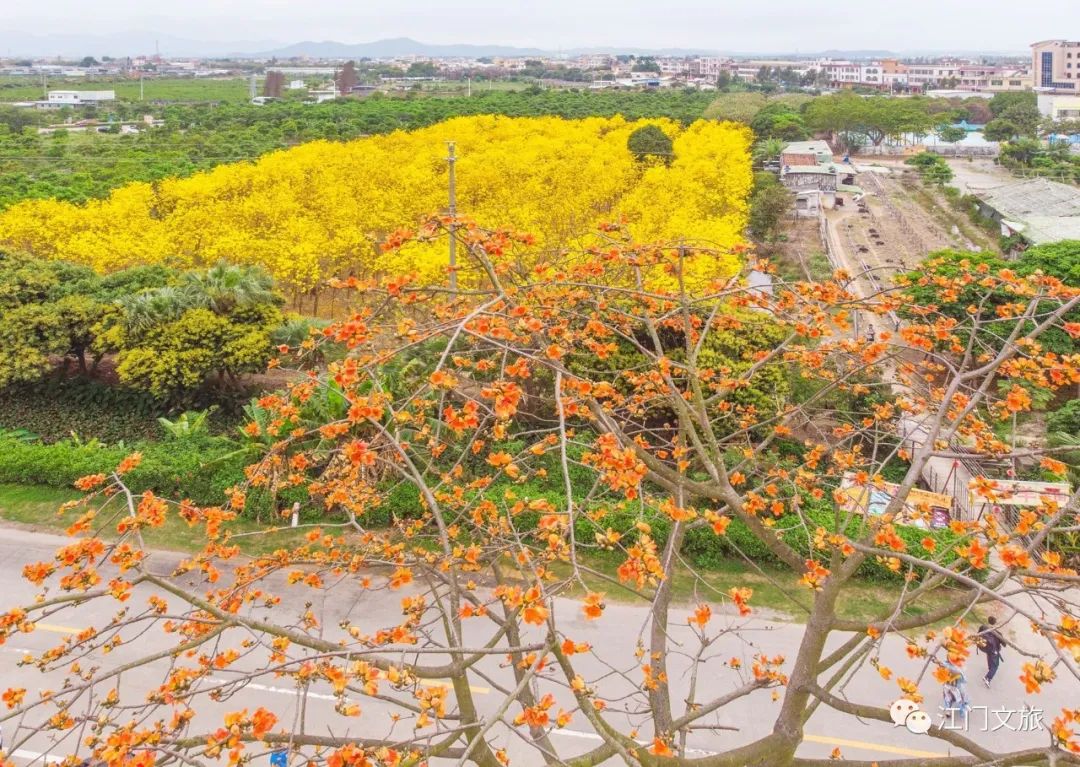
[{"x": 660, "y": 698}]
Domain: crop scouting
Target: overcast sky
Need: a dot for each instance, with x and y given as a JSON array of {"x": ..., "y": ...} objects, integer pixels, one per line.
[{"x": 731, "y": 25}]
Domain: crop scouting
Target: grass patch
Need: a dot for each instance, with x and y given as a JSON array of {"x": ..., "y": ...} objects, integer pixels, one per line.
[
  {"x": 775, "y": 588},
  {"x": 37, "y": 506},
  {"x": 947, "y": 217},
  {"x": 154, "y": 88},
  {"x": 813, "y": 266}
]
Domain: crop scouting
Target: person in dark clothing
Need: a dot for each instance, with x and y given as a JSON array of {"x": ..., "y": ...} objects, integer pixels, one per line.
[{"x": 990, "y": 643}]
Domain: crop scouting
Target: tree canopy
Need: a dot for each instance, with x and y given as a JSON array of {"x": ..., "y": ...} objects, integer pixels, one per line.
[
  {"x": 874, "y": 117},
  {"x": 510, "y": 462}
]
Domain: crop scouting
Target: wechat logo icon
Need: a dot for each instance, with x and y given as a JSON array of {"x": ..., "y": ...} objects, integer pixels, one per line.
[{"x": 907, "y": 713}]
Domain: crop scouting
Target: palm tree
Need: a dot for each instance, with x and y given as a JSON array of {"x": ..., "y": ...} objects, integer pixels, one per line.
[
  {"x": 151, "y": 308},
  {"x": 768, "y": 149},
  {"x": 224, "y": 287}
]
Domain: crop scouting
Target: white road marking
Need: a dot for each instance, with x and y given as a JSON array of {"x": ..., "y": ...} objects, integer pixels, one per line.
[
  {"x": 279, "y": 690},
  {"x": 323, "y": 696}
]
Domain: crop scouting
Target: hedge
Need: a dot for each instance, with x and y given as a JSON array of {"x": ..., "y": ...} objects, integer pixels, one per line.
[
  {"x": 200, "y": 470},
  {"x": 706, "y": 549},
  {"x": 203, "y": 469}
]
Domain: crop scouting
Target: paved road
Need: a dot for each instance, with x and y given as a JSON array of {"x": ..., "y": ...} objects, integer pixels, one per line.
[{"x": 614, "y": 637}]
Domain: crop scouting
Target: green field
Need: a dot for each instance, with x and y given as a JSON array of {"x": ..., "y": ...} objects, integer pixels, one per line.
[{"x": 154, "y": 89}]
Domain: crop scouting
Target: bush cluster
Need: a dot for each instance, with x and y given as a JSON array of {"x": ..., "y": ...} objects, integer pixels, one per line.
[{"x": 200, "y": 470}]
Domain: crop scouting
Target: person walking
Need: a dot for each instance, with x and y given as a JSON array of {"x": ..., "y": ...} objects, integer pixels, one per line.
[
  {"x": 954, "y": 692},
  {"x": 990, "y": 642}
]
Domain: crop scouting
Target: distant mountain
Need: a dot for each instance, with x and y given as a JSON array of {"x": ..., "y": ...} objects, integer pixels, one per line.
[
  {"x": 144, "y": 41},
  {"x": 392, "y": 47}
]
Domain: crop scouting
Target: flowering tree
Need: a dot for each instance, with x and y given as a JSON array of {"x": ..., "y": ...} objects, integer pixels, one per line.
[{"x": 494, "y": 451}]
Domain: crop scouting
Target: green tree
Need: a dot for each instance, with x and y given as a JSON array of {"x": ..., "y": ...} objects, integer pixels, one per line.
[
  {"x": 1065, "y": 420},
  {"x": 950, "y": 134},
  {"x": 933, "y": 168},
  {"x": 1019, "y": 151},
  {"x": 42, "y": 317},
  {"x": 29, "y": 337},
  {"x": 768, "y": 149},
  {"x": 421, "y": 69},
  {"x": 211, "y": 329},
  {"x": 1000, "y": 129},
  {"x": 875, "y": 118},
  {"x": 1002, "y": 102},
  {"x": 1025, "y": 116},
  {"x": 645, "y": 64},
  {"x": 769, "y": 204},
  {"x": 779, "y": 120},
  {"x": 649, "y": 142}
]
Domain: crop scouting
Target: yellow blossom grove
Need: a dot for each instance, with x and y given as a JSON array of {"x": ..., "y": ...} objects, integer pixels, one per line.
[{"x": 323, "y": 209}]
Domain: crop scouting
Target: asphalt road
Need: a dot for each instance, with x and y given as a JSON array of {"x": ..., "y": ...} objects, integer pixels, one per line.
[{"x": 614, "y": 639}]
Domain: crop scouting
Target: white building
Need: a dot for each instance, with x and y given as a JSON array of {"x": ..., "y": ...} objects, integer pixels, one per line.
[
  {"x": 871, "y": 74},
  {"x": 842, "y": 72},
  {"x": 1059, "y": 106},
  {"x": 711, "y": 66},
  {"x": 58, "y": 99},
  {"x": 929, "y": 75}
]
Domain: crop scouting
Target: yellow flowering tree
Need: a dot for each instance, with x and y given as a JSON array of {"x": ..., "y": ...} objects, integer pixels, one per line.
[{"x": 325, "y": 209}]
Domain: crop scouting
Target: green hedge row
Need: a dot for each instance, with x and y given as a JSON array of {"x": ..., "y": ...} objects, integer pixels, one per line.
[
  {"x": 201, "y": 470},
  {"x": 706, "y": 549},
  {"x": 701, "y": 545}
]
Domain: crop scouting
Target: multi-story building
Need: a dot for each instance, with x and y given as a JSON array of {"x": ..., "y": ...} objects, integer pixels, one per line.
[
  {"x": 1055, "y": 65},
  {"x": 1010, "y": 80},
  {"x": 927, "y": 76},
  {"x": 842, "y": 72}
]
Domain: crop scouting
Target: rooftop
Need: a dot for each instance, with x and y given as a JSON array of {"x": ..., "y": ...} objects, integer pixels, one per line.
[
  {"x": 820, "y": 168},
  {"x": 1046, "y": 210},
  {"x": 808, "y": 147}
]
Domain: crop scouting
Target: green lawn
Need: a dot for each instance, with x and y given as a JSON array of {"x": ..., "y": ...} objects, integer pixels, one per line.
[
  {"x": 37, "y": 506},
  {"x": 165, "y": 88},
  {"x": 774, "y": 588}
]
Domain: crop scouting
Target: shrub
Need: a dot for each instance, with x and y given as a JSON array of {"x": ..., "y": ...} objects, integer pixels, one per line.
[
  {"x": 201, "y": 470},
  {"x": 707, "y": 549}
]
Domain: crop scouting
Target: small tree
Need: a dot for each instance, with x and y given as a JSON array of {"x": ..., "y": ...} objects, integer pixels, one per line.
[
  {"x": 346, "y": 78},
  {"x": 421, "y": 69},
  {"x": 649, "y": 142},
  {"x": 951, "y": 134},
  {"x": 769, "y": 204},
  {"x": 213, "y": 327}
]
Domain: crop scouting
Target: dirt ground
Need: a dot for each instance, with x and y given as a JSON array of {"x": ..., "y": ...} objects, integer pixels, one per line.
[
  {"x": 978, "y": 174},
  {"x": 898, "y": 222},
  {"x": 801, "y": 256}
]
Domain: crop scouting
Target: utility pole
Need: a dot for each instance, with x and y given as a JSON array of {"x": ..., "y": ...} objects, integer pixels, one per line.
[
  {"x": 451, "y": 159},
  {"x": 470, "y": 86},
  {"x": 45, "y": 85},
  {"x": 142, "y": 95},
  {"x": 251, "y": 87}
]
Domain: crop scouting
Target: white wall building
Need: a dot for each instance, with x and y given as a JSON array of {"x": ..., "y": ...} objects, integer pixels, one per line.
[
  {"x": 1059, "y": 106},
  {"x": 58, "y": 99}
]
